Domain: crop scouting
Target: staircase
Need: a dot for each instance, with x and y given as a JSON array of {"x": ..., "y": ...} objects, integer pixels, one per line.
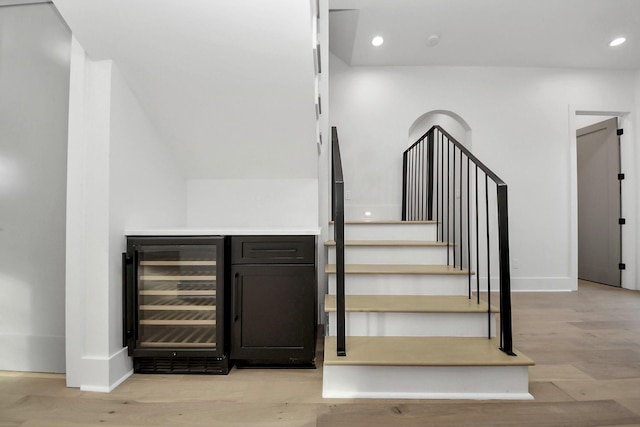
[
  {"x": 412, "y": 331},
  {"x": 403, "y": 319}
]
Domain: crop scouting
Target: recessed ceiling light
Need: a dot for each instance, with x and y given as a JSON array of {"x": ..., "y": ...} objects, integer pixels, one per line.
[
  {"x": 377, "y": 41},
  {"x": 617, "y": 42}
]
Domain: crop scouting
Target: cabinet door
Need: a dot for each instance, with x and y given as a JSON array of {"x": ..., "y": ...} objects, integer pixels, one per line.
[
  {"x": 179, "y": 285},
  {"x": 273, "y": 313}
]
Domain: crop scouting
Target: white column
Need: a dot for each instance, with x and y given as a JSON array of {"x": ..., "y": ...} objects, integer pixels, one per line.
[{"x": 87, "y": 286}]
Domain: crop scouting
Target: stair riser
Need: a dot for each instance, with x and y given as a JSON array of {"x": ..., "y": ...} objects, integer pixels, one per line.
[
  {"x": 412, "y": 232},
  {"x": 401, "y": 284},
  {"x": 426, "y": 382},
  {"x": 425, "y": 255},
  {"x": 415, "y": 324}
]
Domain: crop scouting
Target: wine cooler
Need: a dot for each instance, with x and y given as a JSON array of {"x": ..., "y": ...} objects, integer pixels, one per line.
[{"x": 174, "y": 304}]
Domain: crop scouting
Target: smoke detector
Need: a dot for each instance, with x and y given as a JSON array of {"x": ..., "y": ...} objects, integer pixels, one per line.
[{"x": 433, "y": 40}]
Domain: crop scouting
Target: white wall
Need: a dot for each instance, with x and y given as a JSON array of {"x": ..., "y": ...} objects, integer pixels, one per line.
[
  {"x": 121, "y": 175},
  {"x": 520, "y": 123},
  {"x": 262, "y": 170},
  {"x": 34, "y": 96},
  {"x": 228, "y": 83},
  {"x": 253, "y": 203},
  {"x": 147, "y": 188}
]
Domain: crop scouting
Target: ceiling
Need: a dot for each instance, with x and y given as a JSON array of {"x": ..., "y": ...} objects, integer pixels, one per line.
[
  {"x": 518, "y": 33},
  {"x": 226, "y": 83},
  {"x": 216, "y": 76}
]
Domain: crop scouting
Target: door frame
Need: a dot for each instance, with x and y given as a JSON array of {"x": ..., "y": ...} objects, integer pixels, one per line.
[{"x": 628, "y": 156}]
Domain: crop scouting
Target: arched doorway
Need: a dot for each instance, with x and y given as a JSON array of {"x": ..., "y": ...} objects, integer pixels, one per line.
[{"x": 448, "y": 120}]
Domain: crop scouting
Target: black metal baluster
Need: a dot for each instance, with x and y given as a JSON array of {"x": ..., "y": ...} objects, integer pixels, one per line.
[
  {"x": 486, "y": 197},
  {"x": 416, "y": 213},
  {"x": 404, "y": 186},
  {"x": 415, "y": 182},
  {"x": 421, "y": 182},
  {"x": 453, "y": 206},
  {"x": 417, "y": 207},
  {"x": 409, "y": 194},
  {"x": 430, "y": 166},
  {"x": 425, "y": 180},
  {"x": 425, "y": 174},
  {"x": 412, "y": 198},
  {"x": 442, "y": 190},
  {"x": 437, "y": 171},
  {"x": 461, "y": 232},
  {"x": 409, "y": 175},
  {"x": 416, "y": 171},
  {"x": 469, "y": 224},
  {"x": 448, "y": 195},
  {"x": 477, "y": 242}
]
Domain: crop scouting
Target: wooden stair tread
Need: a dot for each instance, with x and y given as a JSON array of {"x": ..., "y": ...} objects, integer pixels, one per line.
[
  {"x": 385, "y": 222},
  {"x": 422, "y": 351},
  {"x": 408, "y": 304},
  {"x": 398, "y": 269},
  {"x": 414, "y": 243}
]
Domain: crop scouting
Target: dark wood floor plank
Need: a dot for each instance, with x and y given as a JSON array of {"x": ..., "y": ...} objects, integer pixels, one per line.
[{"x": 480, "y": 414}]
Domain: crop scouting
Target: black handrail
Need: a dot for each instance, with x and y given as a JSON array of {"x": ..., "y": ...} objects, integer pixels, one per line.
[
  {"x": 337, "y": 214},
  {"x": 424, "y": 176}
]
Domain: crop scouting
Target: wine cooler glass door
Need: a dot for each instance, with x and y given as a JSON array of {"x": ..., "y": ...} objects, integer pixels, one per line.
[{"x": 177, "y": 295}]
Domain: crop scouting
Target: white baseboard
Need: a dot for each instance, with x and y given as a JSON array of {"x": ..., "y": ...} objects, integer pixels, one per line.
[
  {"x": 534, "y": 284},
  {"x": 104, "y": 374},
  {"x": 107, "y": 389}
]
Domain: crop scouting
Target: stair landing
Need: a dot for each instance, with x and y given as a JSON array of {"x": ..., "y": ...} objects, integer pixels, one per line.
[
  {"x": 424, "y": 368},
  {"x": 422, "y": 351}
]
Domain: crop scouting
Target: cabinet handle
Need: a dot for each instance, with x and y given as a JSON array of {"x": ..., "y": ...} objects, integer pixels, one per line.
[
  {"x": 128, "y": 313},
  {"x": 237, "y": 297},
  {"x": 276, "y": 250}
]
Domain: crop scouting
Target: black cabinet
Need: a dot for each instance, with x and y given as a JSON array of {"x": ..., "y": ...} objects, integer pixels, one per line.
[{"x": 273, "y": 300}]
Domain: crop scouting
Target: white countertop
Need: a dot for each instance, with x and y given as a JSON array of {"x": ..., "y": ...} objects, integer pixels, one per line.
[{"x": 244, "y": 231}]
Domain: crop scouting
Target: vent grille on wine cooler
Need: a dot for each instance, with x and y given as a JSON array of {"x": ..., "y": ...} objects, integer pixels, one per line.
[{"x": 178, "y": 365}]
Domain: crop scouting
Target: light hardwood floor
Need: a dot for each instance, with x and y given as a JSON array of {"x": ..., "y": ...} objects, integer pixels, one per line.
[{"x": 586, "y": 346}]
